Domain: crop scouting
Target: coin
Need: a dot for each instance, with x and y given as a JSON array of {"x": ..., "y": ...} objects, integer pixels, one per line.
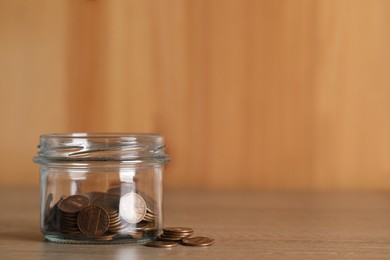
[
  {"x": 150, "y": 226},
  {"x": 122, "y": 189},
  {"x": 161, "y": 244},
  {"x": 117, "y": 228},
  {"x": 182, "y": 234},
  {"x": 132, "y": 208},
  {"x": 198, "y": 241},
  {"x": 73, "y": 204},
  {"x": 52, "y": 222},
  {"x": 115, "y": 223},
  {"x": 110, "y": 202},
  {"x": 93, "y": 195},
  {"x": 149, "y": 216},
  {"x": 115, "y": 190},
  {"x": 137, "y": 235},
  {"x": 165, "y": 238},
  {"x": 176, "y": 230},
  {"x": 104, "y": 216},
  {"x": 106, "y": 237},
  {"x": 177, "y": 235},
  {"x": 93, "y": 221},
  {"x": 150, "y": 203},
  {"x": 48, "y": 213},
  {"x": 47, "y": 206}
]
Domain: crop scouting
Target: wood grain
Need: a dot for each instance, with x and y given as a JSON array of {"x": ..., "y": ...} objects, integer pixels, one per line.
[
  {"x": 249, "y": 94},
  {"x": 253, "y": 225}
]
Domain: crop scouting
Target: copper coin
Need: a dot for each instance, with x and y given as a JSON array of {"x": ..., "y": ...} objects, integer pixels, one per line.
[
  {"x": 115, "y": 223},
  {"x": 106, "y": 237},
  {"x": 121, "y": 189},
  {"x": 93, "y": 221},
  {"x": 116, "y": 229},
  {"x": 136, "y": 234},
  {"x": 115, "y": 190},
  {"x": 178, "y": 234},
  {"x": 73, "y": 204},
  {"x": 178, "y": 230},
  {"x": 198, "y": 241},
  {"x": 161, "y": 244},
  {"x": 118, "y": 226},
  {"x": 52, "y": 221},
  {"x": 165, "y": 238},
  {"x": 110, "y": 202},
  {"x": 49, "y": 200},
  {"x": 181, "y": 236},
  {"x": 151, "y": 226},
  {"x": 93, "y": 195}
]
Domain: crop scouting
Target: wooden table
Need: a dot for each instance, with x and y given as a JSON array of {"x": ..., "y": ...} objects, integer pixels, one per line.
[{"x": 251, "y": 225}]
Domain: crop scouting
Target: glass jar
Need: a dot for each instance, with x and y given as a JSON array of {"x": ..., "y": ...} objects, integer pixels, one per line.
[{"x": 101, "y": 188}]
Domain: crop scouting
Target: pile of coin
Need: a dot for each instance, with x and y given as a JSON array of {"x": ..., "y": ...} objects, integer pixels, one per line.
[
  {"x": 68, "y": 211},
  {"x": 172, "y": 236},
  {"x": 101, "y": 216},
  {"x": 175, "y": 233}
]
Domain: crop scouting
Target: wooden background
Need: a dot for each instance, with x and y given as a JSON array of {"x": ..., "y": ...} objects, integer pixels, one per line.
[{"x": 284, "y": 94}]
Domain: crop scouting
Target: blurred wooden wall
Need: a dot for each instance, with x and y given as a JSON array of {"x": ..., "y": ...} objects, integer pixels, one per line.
[{"x": 284, "y": 94}]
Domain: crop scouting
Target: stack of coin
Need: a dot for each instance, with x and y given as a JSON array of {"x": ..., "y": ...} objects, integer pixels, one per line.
[
  {"x": 93, "y": 221},
  {"x": 68, "y": 210},
  {"x": 110, "y": 202},
  {"x": 172, "y": 236},
  {"x": 75, "y": 216},
  {"x": 116, "y": 224},
  {"x": 175, "y": 233},
  {"x": 198, "y": 241},
  {"x": 149, "y": 216}
]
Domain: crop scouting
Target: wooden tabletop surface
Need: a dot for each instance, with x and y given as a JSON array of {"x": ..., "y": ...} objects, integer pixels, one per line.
[{"x": 250, "y": 225}]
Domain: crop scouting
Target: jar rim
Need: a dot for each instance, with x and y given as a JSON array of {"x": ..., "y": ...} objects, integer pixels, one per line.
[
  {"x": 116, "y": 146},
  {"x": 100, "y": 135}
]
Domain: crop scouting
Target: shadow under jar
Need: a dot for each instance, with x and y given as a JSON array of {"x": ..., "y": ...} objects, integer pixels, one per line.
[{"x": 101, "y": 188}]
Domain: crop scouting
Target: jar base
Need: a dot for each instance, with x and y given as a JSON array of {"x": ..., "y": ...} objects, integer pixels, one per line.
[{"x": 62, "y": 240}]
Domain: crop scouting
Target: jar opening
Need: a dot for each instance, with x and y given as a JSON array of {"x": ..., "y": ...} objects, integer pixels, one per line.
[{"x": 101, "y": 146}]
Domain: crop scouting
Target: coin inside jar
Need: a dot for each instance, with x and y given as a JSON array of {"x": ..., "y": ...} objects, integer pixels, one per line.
[
  {"x": 73, "y": 204},
  {"x": 110, "y": 202},
  {"x": 93, "y": 221},
  {"x": 76, "y": 221},
  {"x": 132, "y": 208}
]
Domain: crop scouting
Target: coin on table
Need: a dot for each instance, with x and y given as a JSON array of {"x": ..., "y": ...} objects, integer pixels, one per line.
[
  {"x": 93, "y": 221},
  {"x": 73, "y": 204},
  {"x": 181, "y": 235},
  {"x": 178, "y": 230},
  {"x": 167, "y": 238},
  {"x": 132, "y": 208},
  {"x": 198, "y": 241},
  {"x": 161, "y": 244}
]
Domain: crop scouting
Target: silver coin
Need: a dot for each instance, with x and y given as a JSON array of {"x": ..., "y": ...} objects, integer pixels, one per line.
[{"x": 132, "y": 208}]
